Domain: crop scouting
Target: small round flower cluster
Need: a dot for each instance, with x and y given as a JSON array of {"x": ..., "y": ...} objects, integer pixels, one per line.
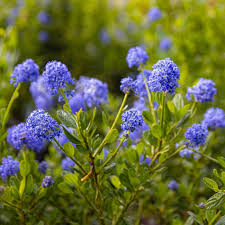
[
  {"x": 47, "y": 182},
  {"x": 127, "y": 84},
  {"x": 56, "y": 75},
  {"x": 196, "y": 135},
  {"x": 42, "y": 167},
  {"x": 76, "y": 103},
  {"x": 42, "y": 126},
  {"x": 28, "y": 71},
  {"x": 9, "y": 167},
  {"x": 67, "y": 164},
  {"x": 18, "y": 136},
  {"x": 186, "y": 153},
  {"x": 154, "y": 14},
  {"x": 43, "y": 17},
  {"x": 132, "y": 119},
  {"x": 165, "y": 44},
  {"x": 93, "y": 91},
  {"x": 42, "y": 99},
  {"x": 173, "y": 185},
  {"x": 136, "y": 56},
  {"x": 164, "y": 77},
  {"x": 203, "y": 91},
  {"x": 213, "y": 118},
  {"x": 144, "y": 160}
]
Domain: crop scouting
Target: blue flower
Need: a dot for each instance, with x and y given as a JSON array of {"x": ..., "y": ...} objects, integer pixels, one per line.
[
  {"x": 56, "y": 76},
  {"x": 106, "y": 152},
  {"x": 144, "y": 160},
  {"x": 42, "y": 126},
  {"x": 154, "y": 14},
  {"x": 47, "y": 182},
  {"x": 165, "y": 44},
  {"x": 43, "y": 17},
  {"x": 9, "y": 167},
  {"x": 214, "y": 118},
  {"x": 42, "y": 99},
  {"x": 67, "y": 164},
  {"x": 140, "y": 105},
  {"x": 93, "y": 91},
  {"x": 132, "y": 119},
  {"x": 76, "y": 103},
  {"x": 155, "y": 105},
  {"x": 137, "y": 134},
  {"x": 42, "y": 167},
  {"x": 139, "y": 85},
  {"x": 18, "y": 136},
  {"x": 173, "y": 185},
  {"x": 203, "y": 91},
  {"x": 104, "y": 37},
  {"x": 164, "y": 77},
  {"x": 43, "y": 36},
  {"x": 136, "y": 56},
  {"x": 28, "y": 71},
  {"x": 127, "y": 84},
  {"x": 186, "y": 153},
  {"x": 196, "y": 135},
  {"x": 68, "y": 94}
]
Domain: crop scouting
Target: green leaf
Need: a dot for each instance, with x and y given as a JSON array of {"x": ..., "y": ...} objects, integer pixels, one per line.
[
  {"x": 222, "y": 177},
  {"x": 113, "y": 135},
  {"x": 24, "y": 168},
  {"x": 221, "y": 161},
  {"x": 69, "y": 149},
  {"x": 108, "y": 169},
  {"x": 14, "y": 192},
  {"x": 82, "y": 150},
  {"x": 71, "y": 179},
  {"x": 29, "y": 185},
  {"x": 215, "y": 201},
  {"x": 148, "y": 117},
  {"x": 22, "y": 187},
  {"x": 171, "y": 106},
  {"x": 156, "y": 131},
  {"x": 65, "y": 188},
  {"x": 178, "y": 101},
  {"x": 209, "y": 214},
  {"x": 105, "y": 118},
  {"x": 115, "y": 181},
  {"x": 211, "y": 184},
  {"x": 71, "y": 137},
  {"x": 215, "y": 172},
  {"x": 184, "y": 119},
  {"x": 66, "y": 118},
  {"x": 221, "y": 221},
  {"x": 124, "y": 179}
]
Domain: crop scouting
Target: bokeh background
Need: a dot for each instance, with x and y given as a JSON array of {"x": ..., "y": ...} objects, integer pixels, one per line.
[{"x": 92, "y": 38}]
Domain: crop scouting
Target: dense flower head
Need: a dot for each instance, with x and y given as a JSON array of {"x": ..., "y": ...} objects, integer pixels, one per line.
[
  {"x": 76, "y": 103},
  {"x": 145, "y": 160},
  {"x": 43, "y": 17},
  {"x": 173, "y": 185},
  {"x": 68, "y": 164},
  {"x": 42, "y": 167},
  {"x": 165, "y": 44},
  {"x": 18, "y": 136},
  {"x": 136, "y": 56},
  {"x": 154, "y": 14},
  {"x": 56, "y": 75},
  {"x": 93, "y": 91},
  {"x": 139, "y": 85},
  {"x": 196, "y": 135},
  {"x": 214, "y": 118},
  {"x": 140, "y": 105},
  {"x": 9, "y": 167},
  {"x": 42, "y": 126},
  {"x": 203, "y": 91},
  {"x": 68, "y": 94},
  {"x": 42, "y": 99},
  {"x": 132, "y": 119},
  {"x": 164, "y": 77},
  {"x": 186, "y": 153},
  {"x": 47, "y": 182},
  {"x": 127, "y": 84},
  {"x": 27, "y": 71}
]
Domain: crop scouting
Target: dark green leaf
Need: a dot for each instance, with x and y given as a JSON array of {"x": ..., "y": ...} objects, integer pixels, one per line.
[
  {"x": 69, "y": 149},
  {"x": 113, "y": 135},
  {"x": 148, "y": 118},
  {"x": 156, "y": 131},
  {"x": 211, "y": 184},
  {"x": 24, "y": 168},
  {"x": 71, "y": 137},
  {"x": 66, "y": 118}
]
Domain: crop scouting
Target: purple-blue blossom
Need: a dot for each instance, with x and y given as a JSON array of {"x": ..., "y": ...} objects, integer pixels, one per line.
[
  {"x": 173, "y": 185},
  {"x": 104, "y": 37},
  {"x": 42, "y": 125},
  {"x": 203, "y": 91},
  {"x": 68, "y": 164},
  {"x": 127, "y": 84},
  {"x": 154, "y": 14},
  {"x": 9, "y": 167},
  {"x": 136, "y": 56},
  {"x": 47, "y": 182},
  {"x": 186, "y": 153},
  {"x": 43, "y": 17},
  {"x": 165, "y": 44},
  {"x": 56, "y": 75},
  {"x": 145, "y": 160},
  {"x": 76, "y": 103},
  {"x": 164, "y": 77},
  {"x": 43, "y": 36},
  {"x": 27, "y": 71},
  {"x": 42, "y": 167}
]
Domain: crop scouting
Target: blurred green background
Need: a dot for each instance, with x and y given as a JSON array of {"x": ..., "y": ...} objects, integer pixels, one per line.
[{"x": 92, "y": 37}]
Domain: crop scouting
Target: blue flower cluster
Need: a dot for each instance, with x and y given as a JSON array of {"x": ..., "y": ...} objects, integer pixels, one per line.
[
  {"x": 93, "y": 91},
  {"x": 42, "y": 99},
  {"x": 196, "y": 135},
  {"x": 67, "y": 164},
  {"x": 9, "y": 167},
  {"x": 28, "y": 71},
  {"x": 132, "y": 119},
  {"x": 140, "y": 105},
  {"x": 214, "y": 118},
  {"x": 47, "y": 182},
  {"x": 145, "y": 160},
  {"x": 164, "y": 77},
  {"x": 56, "y": 75},
  {"x": 18, "y": 136},
  {"x": 42, "y": 126},
  {"x": 165, "y": 44},
  {"x": 43, "y": 17},
  {"x": 136, "y": 56},
  {"x": 68, "y": 94},
  {"x": 76, "y": 103},
  {"x": 127, "y": 84},
  {"x": 203, "y": 91},
  {"x": 154, "y": 14},
  {"x": 173, "y": 185},
  {"x": 186, "y": 153},
  {"x": 42, "y": 167}
]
